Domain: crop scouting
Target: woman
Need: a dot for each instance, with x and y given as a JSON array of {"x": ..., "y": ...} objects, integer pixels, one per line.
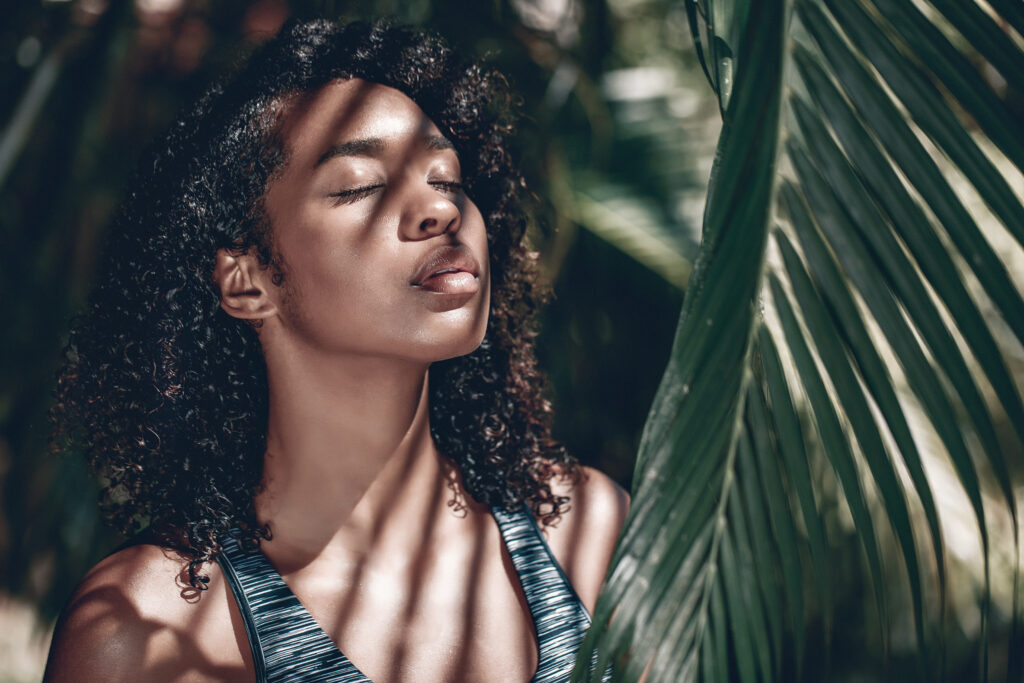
[{"x": 307, "y": 373}]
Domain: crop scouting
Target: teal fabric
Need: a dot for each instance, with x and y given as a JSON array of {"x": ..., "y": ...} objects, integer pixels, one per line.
[{"x": 288, "y": 645}]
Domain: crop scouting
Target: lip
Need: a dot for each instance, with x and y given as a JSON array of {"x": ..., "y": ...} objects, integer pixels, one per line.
[{"x": 448, "y": 269}]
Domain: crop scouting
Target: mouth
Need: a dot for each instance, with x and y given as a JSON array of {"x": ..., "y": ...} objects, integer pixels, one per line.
[{"x": 450, "y": 269}]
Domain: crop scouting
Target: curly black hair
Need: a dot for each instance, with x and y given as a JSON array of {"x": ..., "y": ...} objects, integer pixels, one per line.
[{"x": 166, "y": 395}]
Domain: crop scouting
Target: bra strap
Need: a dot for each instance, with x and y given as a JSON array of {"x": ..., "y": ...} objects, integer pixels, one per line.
[
  {"x": 258, "y": 661},
  {"x": 559, "y": 617},
  {"x": 292, "y": 646}
]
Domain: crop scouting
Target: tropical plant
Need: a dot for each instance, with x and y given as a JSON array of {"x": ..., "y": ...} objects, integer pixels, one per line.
[{"x": 847, "y": 321}]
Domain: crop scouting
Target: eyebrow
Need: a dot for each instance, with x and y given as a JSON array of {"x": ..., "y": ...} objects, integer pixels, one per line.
[
  {"x": 439, "y": 142},
  {"x": 364, "y": 147},
  {"x": 370, "y": 147}
]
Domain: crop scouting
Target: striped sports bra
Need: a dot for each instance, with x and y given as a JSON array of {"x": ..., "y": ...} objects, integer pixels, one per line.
[{"x": 288, "y": 644}]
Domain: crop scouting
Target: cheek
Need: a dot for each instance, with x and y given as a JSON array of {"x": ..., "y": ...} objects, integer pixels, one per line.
[{"x": 323, "y": 289}]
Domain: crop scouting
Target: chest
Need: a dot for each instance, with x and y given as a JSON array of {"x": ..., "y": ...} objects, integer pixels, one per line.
[
  {"x": 434, "y": 619},
  {"x": 498, "y": 611}
]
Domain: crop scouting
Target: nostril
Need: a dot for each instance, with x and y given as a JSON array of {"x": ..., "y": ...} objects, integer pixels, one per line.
[{"x": 428, "y": 223}]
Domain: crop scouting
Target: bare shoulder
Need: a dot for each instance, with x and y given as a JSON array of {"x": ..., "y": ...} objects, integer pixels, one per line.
[
  {"x": 134, "y": 617},
  {"x": 584, "y": 537}
]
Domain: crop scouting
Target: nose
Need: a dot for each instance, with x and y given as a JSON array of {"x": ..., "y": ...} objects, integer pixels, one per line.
[{"x": 431, "y": 212}]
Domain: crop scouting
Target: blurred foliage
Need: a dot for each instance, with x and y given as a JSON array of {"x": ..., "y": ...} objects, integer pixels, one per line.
[{"x": 847, "y": 364}]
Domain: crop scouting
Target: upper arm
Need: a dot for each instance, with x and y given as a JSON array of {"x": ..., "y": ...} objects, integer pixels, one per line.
[
  {"x": 584, "y": 537},
  {"x": 130, "y": 619}
]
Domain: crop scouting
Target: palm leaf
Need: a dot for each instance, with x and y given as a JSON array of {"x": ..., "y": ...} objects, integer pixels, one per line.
[{"x": 845, "y": 300}]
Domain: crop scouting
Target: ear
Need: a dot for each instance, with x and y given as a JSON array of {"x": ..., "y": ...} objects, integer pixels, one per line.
[{"x": 244, "y": 285}]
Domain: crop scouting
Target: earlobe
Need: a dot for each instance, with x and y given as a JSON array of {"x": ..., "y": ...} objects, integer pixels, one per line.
[{"x": 242, "y": 282}]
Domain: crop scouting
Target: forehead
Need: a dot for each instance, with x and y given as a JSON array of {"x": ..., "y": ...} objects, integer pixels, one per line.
[{"x": 347, "y": 110}]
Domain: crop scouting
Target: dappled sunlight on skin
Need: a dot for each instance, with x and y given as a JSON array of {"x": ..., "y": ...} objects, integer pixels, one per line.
[
  {"x": 461, "y": 663},
  {"x": 198, "y": 638},
  {"x": 207, "y": 614},
  {"x": 426, "y": 611},
  {"x": 418, "y": 573}
]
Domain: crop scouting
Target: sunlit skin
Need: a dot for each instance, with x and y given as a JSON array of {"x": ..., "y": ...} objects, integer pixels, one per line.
[{"x": 385, "y": 270}]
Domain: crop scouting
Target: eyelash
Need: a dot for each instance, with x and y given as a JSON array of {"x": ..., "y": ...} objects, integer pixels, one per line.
[
  {"x": 449, "y": 186},
  {"x": 357, "y": 193}
]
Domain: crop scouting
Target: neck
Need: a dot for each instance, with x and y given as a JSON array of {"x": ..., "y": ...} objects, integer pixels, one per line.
[{"x": 349, "y": 452}]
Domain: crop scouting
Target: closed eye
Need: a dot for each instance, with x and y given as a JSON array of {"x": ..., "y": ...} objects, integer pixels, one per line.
[
  {"x": 354, "y": 194},
  {"x": 450, "y": 187}
]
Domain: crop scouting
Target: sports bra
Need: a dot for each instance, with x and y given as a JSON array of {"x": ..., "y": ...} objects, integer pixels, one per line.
[{"x": 288, "y": 644}]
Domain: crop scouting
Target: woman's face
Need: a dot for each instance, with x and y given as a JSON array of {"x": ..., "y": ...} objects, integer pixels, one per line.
[{"x": 382, "y": 252}]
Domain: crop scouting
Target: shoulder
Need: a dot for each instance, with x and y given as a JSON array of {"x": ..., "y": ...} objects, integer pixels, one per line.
[
  {"x": 583, "y": 538},
  {"x": 134, "y": 617}
]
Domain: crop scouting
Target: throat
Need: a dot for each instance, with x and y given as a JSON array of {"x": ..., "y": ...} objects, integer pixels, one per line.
[{"x": 328, "y": 481}]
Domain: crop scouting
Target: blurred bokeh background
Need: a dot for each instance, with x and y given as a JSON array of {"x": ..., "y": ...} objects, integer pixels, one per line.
[{"x": 617, "y": 139}]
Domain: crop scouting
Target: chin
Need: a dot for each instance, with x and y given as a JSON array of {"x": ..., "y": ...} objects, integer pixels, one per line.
[
  {"x": 466, "y": 349},
  {"x": 463, "y": 345},
  {"x": 455, "y": 333}
]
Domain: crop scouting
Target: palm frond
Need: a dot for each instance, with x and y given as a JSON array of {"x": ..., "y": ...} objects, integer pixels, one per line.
[{"x": 846, "y": 300}]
